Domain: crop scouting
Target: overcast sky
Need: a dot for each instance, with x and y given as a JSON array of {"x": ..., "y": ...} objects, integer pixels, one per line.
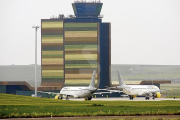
[{"x": 142, "y": 31}]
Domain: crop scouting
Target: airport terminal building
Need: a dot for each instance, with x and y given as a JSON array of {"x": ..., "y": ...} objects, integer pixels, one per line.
[{"x": 74, "y": 46}]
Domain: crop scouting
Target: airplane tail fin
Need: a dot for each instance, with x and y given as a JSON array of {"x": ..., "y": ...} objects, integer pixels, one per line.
[
  {"x": 92, "y": 83},
  {"x": 121, "y": 81}
]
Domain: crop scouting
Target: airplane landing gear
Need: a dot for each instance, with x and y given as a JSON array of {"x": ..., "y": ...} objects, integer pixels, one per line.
[
  {"x": 67, "y": 98},
  {"x": 147, "y": 97},
  {"x": 153, "y": 97},
  {"x": 60, "y": 97},
  {"x": 88, "y": 98},
  {"x": 131, "y": 97}
]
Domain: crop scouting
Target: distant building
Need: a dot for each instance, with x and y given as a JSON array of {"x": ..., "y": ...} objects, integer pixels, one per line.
[{"x": 74, "y": 46}]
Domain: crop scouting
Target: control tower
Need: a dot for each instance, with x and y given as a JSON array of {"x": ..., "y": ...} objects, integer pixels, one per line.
[
  {"x": 75, "y": 45},
  {"x": 87, "y": 10}
]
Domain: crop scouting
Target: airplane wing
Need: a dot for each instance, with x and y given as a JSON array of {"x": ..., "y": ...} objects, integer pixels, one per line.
[
  {"x": 165, "y": 90},
  {"x": 116, "y": 88},
  {"x": 112, "y": 91},
  {"x": 70, "y": 95},
  {"x": 48, "y": 92},
  {"x": 99, "y": 93},
  {"x": 107, "y": 91},
  {"x": 111, "y": 88}
]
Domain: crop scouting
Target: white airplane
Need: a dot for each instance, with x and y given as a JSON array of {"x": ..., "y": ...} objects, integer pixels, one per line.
[
  {"x": 138, "y": 90},
  {"x": 77, "y": 92}
]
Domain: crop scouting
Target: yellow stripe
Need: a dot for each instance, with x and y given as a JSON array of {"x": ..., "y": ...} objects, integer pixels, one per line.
[
  {"x": 52, "y": 61},
  {"x": 83, "y": 81},
  {"x": 52, "y": 24},
  {"x": 52, "y": 73},
  {"x": 52, "y": 52},
  {"x": 81, "y": 57}
]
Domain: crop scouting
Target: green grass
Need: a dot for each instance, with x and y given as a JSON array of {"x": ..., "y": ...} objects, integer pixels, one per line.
[
  {"x": 172, "y": 97},
  {"x": 25, "y": 106}
]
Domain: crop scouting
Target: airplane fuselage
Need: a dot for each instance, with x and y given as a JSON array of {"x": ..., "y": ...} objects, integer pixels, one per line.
[
  {"x": 139, "y": 89},
  {"x": 77, "y": 92}
]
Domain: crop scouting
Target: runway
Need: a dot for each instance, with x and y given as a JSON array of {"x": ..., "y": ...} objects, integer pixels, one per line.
[{"x": 126, "y": 99}]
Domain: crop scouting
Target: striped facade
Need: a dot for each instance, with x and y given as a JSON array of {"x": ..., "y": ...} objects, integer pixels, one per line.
[
  {"x": 73, "y": 47},
  {"x": 81, "y": 52},
  {"x": 52, "y": 52}
]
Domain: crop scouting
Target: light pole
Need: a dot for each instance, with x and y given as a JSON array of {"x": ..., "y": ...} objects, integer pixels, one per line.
[
  {"x": 36, "y": 27},
  {"x": 152, "y": 79}
]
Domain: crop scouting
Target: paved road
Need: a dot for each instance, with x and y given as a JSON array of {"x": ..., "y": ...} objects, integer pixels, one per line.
[{"x": 127, "y": 99}]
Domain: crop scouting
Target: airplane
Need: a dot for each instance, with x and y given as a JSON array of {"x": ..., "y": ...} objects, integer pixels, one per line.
[
  {"x": 77, "y": 92},
  {"x": 138, "y": 90}
]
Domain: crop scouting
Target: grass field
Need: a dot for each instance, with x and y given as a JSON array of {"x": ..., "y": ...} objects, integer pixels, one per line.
[{"x": 25, "y": 106}]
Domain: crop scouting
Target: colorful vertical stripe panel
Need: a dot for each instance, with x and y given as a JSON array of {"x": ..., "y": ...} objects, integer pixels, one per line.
[
  {"x": 52, "y": 51},
  {"x": 81, "y": 52}
]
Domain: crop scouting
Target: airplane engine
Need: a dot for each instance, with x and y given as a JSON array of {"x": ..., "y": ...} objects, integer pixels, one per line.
[
  {"x": 88, "y": 98},
  {"x": 158, "y": 95},
  {"x": 134, "y": 96}
]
